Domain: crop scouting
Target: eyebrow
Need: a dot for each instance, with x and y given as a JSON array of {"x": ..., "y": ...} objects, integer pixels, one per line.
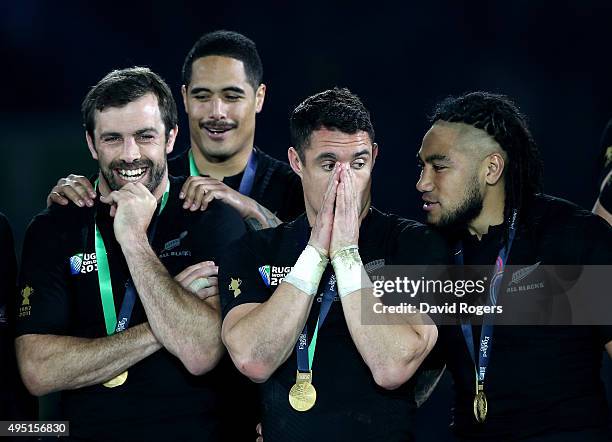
[
  {"x": 332, "y": 156},
  {"x": 434, "y": 157},
  {"x": 236, "y": 89},
  {"x": 138, "y": 132}
]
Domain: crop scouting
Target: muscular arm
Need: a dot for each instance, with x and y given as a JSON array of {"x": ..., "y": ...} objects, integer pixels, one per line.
[
  {"x": 51, "y": 363},
  {"x": 260, "y": 337},
  {"x": 189, "y": 328},
  {"x": 394, "y": 349},
  {"x": 260, "y": 218}
]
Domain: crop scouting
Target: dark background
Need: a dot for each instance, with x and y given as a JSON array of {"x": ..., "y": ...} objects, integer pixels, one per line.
[{"x": 553, "y": 58}]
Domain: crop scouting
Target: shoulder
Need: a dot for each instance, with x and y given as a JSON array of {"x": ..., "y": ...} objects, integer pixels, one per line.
[
  {"x": 410, "y": 238},
  {"x": 178, "y": 165},
  {"x": 552, "y": 213},
  {"x": 278, "y": 168}
]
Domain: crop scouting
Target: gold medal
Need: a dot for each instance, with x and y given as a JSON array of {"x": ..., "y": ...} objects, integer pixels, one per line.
[
  {"x": 117, "y": 380},
  {"x": 303, "y": 395},
  {"x": 480, "y": 405}
]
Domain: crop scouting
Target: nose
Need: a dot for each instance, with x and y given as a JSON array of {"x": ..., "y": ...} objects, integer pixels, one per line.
[
  {"x": 130, "y": 151},
  {"x": 218, "y": 111},
  {"x": 424, "y": 184}
]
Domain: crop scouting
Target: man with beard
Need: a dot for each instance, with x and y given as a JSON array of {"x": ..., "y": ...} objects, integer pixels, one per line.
[
  {"x": 100, "y": 317},
  {"x": 354, "y": 387},
  {"x": 222, "y": 93},
  {"x": 480, "y": 178}
]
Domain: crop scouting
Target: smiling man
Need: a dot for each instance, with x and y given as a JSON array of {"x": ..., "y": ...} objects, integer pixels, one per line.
[
  {"x": 100, "y": 317},
  {"x": 298, "y": 287},
  {"x": 222, "y": 94}
]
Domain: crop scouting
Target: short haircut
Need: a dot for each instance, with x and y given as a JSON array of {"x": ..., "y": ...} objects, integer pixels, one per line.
[
  {"x": 120, "y": 87},
  {"x": 499, "y": 117},
  {"x": 226, "y": 44},
  {"x": 335, "y": 108}
]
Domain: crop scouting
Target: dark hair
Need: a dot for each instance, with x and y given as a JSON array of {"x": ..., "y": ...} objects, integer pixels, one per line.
[
  {"x": 123, "y": 86},
  {"x": 332, "y": 109},
  {"x": 499, "y": 117},
  {"x": 228, "y": 44}
]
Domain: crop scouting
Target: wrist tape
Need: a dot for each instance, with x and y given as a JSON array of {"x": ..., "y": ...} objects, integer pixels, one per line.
[
  {"x": 349, "y": 271},
  {"x": 307, "y": 271}
]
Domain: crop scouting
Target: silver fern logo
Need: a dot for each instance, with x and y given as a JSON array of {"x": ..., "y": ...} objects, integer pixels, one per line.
[
  {"x": 175, "y": 242},
  {"x": 523, "y": 273}
]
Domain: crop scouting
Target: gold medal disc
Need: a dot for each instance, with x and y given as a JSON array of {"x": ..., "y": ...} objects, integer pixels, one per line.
[
  {"x": 302, "y": 395},
  {"x": 117, "y": 380},
  {"x": 480, "y": 407}
]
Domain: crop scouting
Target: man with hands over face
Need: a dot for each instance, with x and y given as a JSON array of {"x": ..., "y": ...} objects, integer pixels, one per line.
[
  {"x": 353, "y": 387},
  {"x": 100, "y": 317}
]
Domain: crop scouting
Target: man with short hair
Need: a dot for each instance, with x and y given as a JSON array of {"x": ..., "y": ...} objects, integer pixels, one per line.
[
  {"x": 222, "y": 93},
  {"x": 100, "y": 317},
  {"x": 480, "y": 177},
  {"x": 352, "y": 387}
]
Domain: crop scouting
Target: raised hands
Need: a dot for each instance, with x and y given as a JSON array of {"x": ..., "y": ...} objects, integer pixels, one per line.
[{"x": 337, "y": 223}]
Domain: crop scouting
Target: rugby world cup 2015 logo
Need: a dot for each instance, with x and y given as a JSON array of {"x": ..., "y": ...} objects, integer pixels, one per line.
[
  {"x": 264, "y": 271},
  {"x": 76, "y": 262}
]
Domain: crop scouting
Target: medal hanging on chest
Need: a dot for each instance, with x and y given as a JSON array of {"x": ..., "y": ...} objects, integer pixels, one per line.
[
  {"x": 303, "y": 395},
  {"x": 480, "y": 403}
]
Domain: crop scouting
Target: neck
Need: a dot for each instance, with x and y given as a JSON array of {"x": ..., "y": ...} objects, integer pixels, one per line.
[
  {"x": 492, "y": 214},
  {"x": 220, "y": 169},
  {"x": 158, "y": 193}
]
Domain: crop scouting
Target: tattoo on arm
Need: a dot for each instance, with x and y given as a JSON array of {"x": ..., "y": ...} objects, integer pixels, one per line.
[{"x": 269, "y": 219}]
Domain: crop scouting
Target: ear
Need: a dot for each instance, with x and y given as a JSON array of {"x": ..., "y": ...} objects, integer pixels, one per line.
[
  {"x": 184, "y": 95},
  {"x": 92, "y": 147},
  {"x": 295, "y": 162},
  {"x": 374, "y": 153},
  {"x": 495, "y": 168},
  {"x": 171, "y": 139},
  {"x": 260, "y": 96}
]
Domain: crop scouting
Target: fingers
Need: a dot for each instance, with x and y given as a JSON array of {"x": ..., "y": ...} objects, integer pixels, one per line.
[
  {"x": 204, "y": 269},
  {"x": 327, "y": 207},
  {"x": 207, "y": 292},
  {"x": 55, "y": 198},
  {"x": 196, "y": 191},
  {"x": 75, "y": 188}
]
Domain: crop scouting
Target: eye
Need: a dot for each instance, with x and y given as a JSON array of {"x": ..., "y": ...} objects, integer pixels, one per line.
[
  {"x": 201, "y": 97},
  {"x": 145, "y": 138},
  {"x": 111, "y": 139},
  {"x": 358, "y": 164},
  {"x": 232, "y": 97},
  {"x": 439, "y": 168},
  {"x": 328, "y": 167}
]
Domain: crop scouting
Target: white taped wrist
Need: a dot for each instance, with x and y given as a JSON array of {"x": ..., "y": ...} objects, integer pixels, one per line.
[
  {"x": 307, "y": 271},
  {"x": 349, "y": 271}
]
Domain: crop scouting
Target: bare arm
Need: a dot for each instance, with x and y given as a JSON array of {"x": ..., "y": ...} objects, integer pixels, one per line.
[
  {"x": 609, "y": 348},
  {"x": 393, "y": 351},
  {"x": 260, "y": 337},
  {"x": 189, "y": 328},
  {"x": 260, "y": 218},
  {"x": 51, "y": 363}
]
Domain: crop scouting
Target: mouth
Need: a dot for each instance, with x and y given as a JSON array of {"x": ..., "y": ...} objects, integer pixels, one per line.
[
  {"x": 217, "y": 132},
  {"x": 428, "y": 206},
  {"x": 131, "y": 175}
]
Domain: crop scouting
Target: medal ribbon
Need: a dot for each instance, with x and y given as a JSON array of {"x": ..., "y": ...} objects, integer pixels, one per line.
[
  {"x": 486, "y": 334},
  {"x": 105, "y": 283},
  {"x": 305, "y": 354},
  {"x": 248, "y": 177}
]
